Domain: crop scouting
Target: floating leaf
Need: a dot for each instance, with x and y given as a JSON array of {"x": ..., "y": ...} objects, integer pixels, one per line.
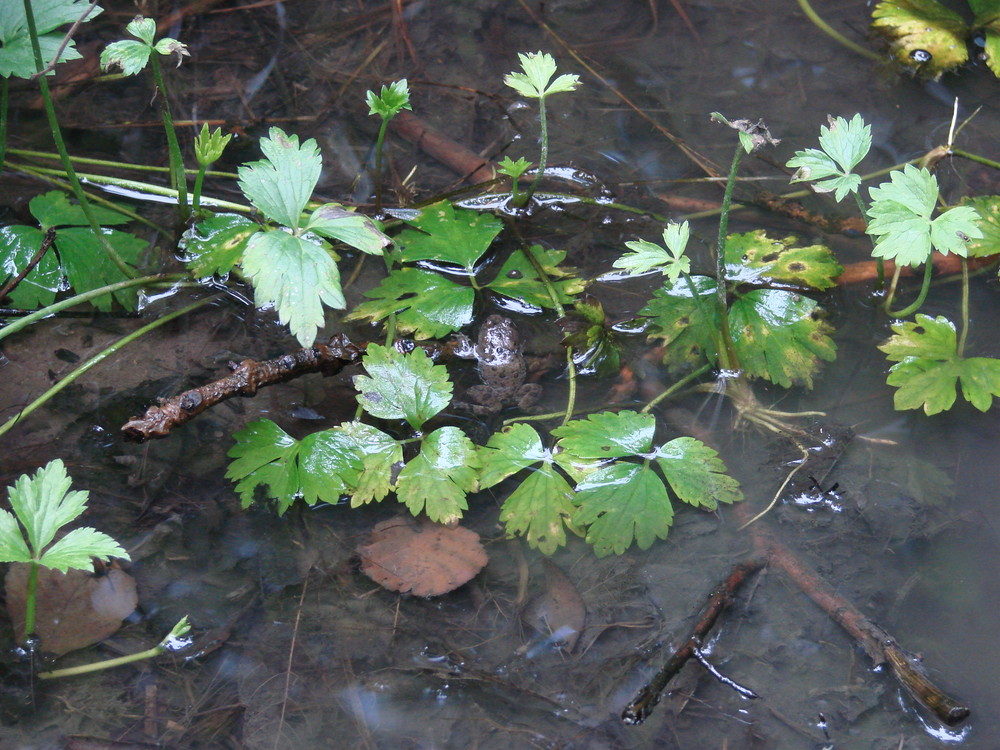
[
  {"x": 437, "y": 480},
  {"x": 622, "y": 503},
  {"x": 540, "y": 507},
  {"x": 295, "y": 275},
  {"x": 380, "y": 456},
  {"x": 444, "y": 234},
  {"x": 755, "y": 258},
  {"x": 988, "y": 20},
  {"x": 54, "y": 209},
  {"x": 608, "y": 435},
  {"x": 216, "y": 245},
  {"x": 518, "y": 280},
  {"x": 928, "y": 367},
  {"x": 426, "y": 304},
  {"x": 780, "y": 336},
  {"x": 402, "y": 386},
  {"x": 924, "y": 36},
  {"x": 685, "y": 324},
  {"x": 696, "y": 473},
  {"x": 18, "y": 245}
]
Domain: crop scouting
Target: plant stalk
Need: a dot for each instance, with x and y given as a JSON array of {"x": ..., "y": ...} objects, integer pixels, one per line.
[
  {"x": 543, "y": 155},
  {"x": 823, "y": 26},
  {"x": 965, "y": 308},
  {"x": 31, "y": 594},
  {"x": 924, "y": 288},
  {"x": 100, "y": 357},
  {"x": 879, "y": 262},
  {"x": 727, "y": 354},
  {"x": 178, "y": 181},
  {"x": 379, "y": 144},
  {"x": 50, "y": 113}
]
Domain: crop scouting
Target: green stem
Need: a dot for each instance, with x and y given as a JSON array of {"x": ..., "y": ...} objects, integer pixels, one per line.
[
  {"x": 834, "y": 34},
  {"x": 727, "y": 354},
  {"x": 124, "y": 166},
  {"x": 27, "y": 320},
  {"x": 976, "y": 158},
  {"x": 100, "y": 357},
  {"x": 924, "y": 287},
  {"x": 50, "y": 113},
  {"x": 965, "y": 308},
  {"x": 543, "y": 157},
  {"x": 149, "y": 653},
  {"x": 177, "y": 179},
  {"x": 31, "y": 594},
  {"x": 380, "y": 141},
  {"x": 676, "y": 387},
  {"x": 198, "y": 180}
]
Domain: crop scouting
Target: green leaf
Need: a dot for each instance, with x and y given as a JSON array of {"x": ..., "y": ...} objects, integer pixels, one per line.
[
  {"x": 12, "y": 545},
  {"x": 216, "y": 245},
  {"x": 518, "y": 280},
  {"x": 402, "y": 386},
  {"x": 54, "y": 209},
  {"x": 336, "y": 222},
  {"x": 988, "y": 20},
  {"x": 446, "y": 235},
  {"x": 539, "y": 509},
  {"x": 128, "y": 55},
  {"x": 646, "y": 256},
  {"x": 390, "y": 100},
  {"x": 18, "y": 245},
  {"x": 426, "y": 304},
  {"x": 330, "y": 465},
  {"x": 380, "y": 457},
  {"x": 76, "y": 549},
  {"x": 297, "y": 276},
  {"x": 924, "y": 36},
  {"x": 513, "y": 169},
  {"x": 16, "y": 57},
  {"x": 597, "y": 349},
  {"x": 928, "y": 367},
  {"x": 43, "y": 503},
  {"x": 280, "y": 184},
  {"x": 88, "y": 267},
  {"x": 508, "y": 451},
  {"x": 621, "y": 503},
  {"x": 844, "y": 144},
  {"x": 539, "y": 67},
  {"x": 142, "y": 28},
  {"x": 440, "y": 476},
  {"x": 697, "y": 474},
  {"x": 608, "y": 435},
  {"x": 755, "y": 258},
  {"x": 264, "y": 454},
  {"x": 685, "y": 325},
  {"x": 901, "y": 223},
  {"x": 988, "y": 212},
  {"x": 780, "y": 336}
]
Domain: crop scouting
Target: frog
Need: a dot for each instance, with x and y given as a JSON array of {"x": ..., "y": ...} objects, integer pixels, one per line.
[{"x": 502, "y": 368}]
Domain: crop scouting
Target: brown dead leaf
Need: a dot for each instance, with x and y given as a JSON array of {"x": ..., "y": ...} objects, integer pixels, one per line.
[
  {"x": 421, "y": 557},
  {"x": 73, "y": 610}
]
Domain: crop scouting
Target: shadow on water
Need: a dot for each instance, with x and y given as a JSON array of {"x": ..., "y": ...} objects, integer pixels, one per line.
[{"x": 298, "y": 650}]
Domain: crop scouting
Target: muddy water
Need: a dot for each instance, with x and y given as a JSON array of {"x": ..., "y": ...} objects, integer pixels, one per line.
[{"x": 312, "y": 654}]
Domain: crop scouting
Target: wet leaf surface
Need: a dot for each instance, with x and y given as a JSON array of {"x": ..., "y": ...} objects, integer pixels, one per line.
[
  {"x": 924, "y": 36},
  {"x": 421, "y": 557}
]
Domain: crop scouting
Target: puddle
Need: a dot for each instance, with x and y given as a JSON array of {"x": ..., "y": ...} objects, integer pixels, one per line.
[{"x": 296, "y": 647}]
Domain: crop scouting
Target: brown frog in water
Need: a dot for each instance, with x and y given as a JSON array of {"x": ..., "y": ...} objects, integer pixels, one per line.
[{"x": 502, "y": 368}]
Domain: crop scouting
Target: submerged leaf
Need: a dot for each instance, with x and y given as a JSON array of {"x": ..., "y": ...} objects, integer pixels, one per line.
[
  {"x": 755, "y": 258},
  {"x": 518, "y": 280},
  {"x": 987, "y": 209}
]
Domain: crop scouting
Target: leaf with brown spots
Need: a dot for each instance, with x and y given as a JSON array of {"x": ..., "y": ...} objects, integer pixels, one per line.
[
  {"x": 420, "y": 557},
  {"x": 755, "y": 258}
]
